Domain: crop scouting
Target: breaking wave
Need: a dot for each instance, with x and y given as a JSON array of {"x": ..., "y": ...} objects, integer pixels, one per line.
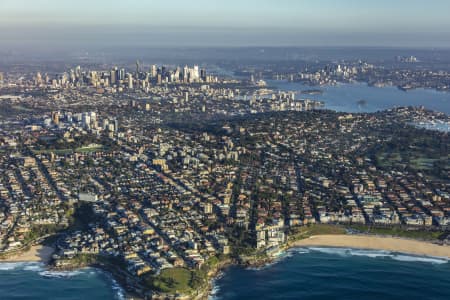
[
  {"x": 213, "y": 295},
  {"x": 411, "y": 258},
  {"x": 40, "y": 269},
  {"x": 60, "y": 274},
  {"x": 26, "y": 266},
  {"x": 283, "y": 256},
  {"x": 346, "y": 252},
  {"x": 36, "y": 267},
  {"x": 118, "y": 290},
  {"x": 116, "y": 287},
  {"x": 352, "y": 252}
]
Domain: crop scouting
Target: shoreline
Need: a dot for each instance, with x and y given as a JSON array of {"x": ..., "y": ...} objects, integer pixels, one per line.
[
  {"x": 41, "y": 253},
  {"x": 394, "y": 244},
  {"x": 358, "y": 242},
  {"x": 36, "y": 253}
]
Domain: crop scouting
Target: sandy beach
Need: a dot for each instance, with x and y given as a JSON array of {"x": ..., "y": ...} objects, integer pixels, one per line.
[
  {"x": 38, "y": 253},
  {"x": 376, "y": 243}
]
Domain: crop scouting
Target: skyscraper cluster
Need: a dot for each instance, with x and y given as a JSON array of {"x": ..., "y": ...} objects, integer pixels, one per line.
[{"x": 120, "y": 79}]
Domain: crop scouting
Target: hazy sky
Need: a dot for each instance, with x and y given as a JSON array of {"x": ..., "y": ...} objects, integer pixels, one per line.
[{"x": 226, "y": 22}]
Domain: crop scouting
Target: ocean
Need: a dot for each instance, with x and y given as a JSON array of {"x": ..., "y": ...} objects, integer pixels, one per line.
[
  {"x": 302, "y": 273},
  {"x": 30, "y": 280},
  {"x": 344, "y": 97},
  {"x": 335, "y": 273}
]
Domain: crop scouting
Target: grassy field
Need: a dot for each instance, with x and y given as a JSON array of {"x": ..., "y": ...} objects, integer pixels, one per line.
[
  {"x": 423, "y": 163},
  {"x": 413, "y": 159},
  {"x": 388, "y": 160},
  {"x": 182, "y": 280},
  {"x": 89, "y": 149},
  {"x": 321, "y": 229},
  {"x": 173, "y": 280},
  {"x": 398, "y": 232}
]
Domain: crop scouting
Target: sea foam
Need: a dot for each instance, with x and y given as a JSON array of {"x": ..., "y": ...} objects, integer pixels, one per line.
[
  {"x": 412, "y": 258},
  {"x": 60, "y": 274},
  {"x": 118, "y": 290},
  {"x": 27, "y": 266},
  {"x": 283, "y": 256},
  {"x": 215, "y": 287},
  {"x": 346, "y": 252},
  {"x": 370, "y": 253},
  {"x": 10, "y": 266},
  {"x": 298, "y": 251},
  {"x": 116, "y": 287},
  {"x": 42, "y": 271},
  {"x": 36, "y": 267}
]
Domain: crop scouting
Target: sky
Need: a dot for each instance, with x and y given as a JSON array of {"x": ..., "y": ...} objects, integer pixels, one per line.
[{"x": 210, "y": 23}]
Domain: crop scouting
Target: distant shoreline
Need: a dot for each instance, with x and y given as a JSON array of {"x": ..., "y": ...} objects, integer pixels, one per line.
[{"x": 394, "y": 244}]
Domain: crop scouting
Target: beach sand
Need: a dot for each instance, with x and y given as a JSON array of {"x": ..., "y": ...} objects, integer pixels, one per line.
[
  {"x": 38, "y": 253},
  {"x": 376, "y": 243}
]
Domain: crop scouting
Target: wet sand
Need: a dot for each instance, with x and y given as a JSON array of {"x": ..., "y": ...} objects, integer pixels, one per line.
[{"x": 376, "y": 243}]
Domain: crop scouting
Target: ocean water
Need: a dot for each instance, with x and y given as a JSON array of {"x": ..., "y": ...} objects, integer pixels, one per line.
[
  {"x": 32, "y": 281},
  {"x": 344, "y": 97},
  {"x": 302, "y": 273},
  {"x": 336, "y": 273}
]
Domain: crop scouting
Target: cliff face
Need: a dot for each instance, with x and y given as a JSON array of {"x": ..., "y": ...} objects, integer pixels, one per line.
[{"x": 142, "y": 289}]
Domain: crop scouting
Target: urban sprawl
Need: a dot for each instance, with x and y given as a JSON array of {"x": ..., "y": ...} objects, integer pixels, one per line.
[{"x": 177, "y": 169}]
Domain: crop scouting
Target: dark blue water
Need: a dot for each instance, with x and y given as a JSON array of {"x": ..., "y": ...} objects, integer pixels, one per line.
[
  {"x": 344, "y": 97},
  {"x": 32, "y": 281},
  {"x": 304, "y": 273},
  {"x": 327, "y": 273}
]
